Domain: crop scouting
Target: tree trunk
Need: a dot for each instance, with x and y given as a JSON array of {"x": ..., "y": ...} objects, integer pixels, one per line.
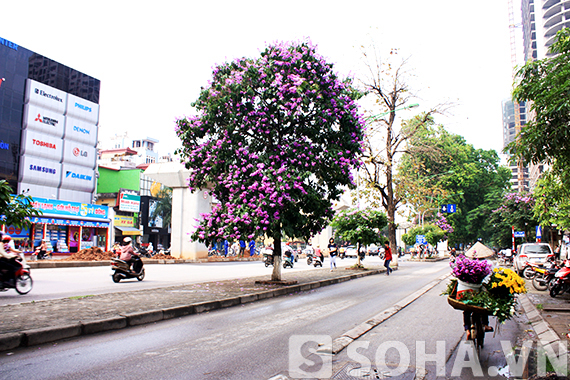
[
  {"x": 276, "y": 275},
  {"x": 358, "y": 254},
  {"x": 390, "y": 202}
]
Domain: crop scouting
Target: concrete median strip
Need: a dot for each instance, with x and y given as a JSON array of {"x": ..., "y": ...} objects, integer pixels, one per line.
[{"x": 12, "y": 340}]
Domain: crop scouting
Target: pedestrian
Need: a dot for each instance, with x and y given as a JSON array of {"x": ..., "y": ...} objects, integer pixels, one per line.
[
  {"x": 333, "y": 251},
  {"x": 252, "y": 247},
  {"x": 387, "y": 259},
  {"x": 241, "y": 248}
]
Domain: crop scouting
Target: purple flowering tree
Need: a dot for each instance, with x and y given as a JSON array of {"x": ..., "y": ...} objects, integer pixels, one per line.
[{"x": 275, "y": 138}]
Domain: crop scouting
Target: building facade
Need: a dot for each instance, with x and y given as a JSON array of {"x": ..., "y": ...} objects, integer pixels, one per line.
[{"x": 49, "y": 116}]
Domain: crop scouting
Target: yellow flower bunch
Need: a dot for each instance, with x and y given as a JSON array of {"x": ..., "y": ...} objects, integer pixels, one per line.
[{"x": 504, "y": 279}]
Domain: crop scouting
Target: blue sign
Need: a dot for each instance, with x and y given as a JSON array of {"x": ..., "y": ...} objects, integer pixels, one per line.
[
  {"x": 449, "y": 208},
  {"x": 421, "y": 239},
  {"x": 519, "y": 233},
  {"x": 538, "y": 232}
]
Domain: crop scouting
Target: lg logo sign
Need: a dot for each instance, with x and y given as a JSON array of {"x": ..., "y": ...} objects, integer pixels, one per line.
[{"x": 78, "y": 152}]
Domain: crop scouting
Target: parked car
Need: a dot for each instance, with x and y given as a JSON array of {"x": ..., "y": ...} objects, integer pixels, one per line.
[
  {"x": 351, "y": 251},
  {"x": 372, "y": 250},
  {"x": 535, "y": 253}
]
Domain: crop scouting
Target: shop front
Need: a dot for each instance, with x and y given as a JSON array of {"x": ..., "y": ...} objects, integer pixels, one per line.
[
  {"x": 125, "y": 226},
  {"x": 70, "y": 226}
]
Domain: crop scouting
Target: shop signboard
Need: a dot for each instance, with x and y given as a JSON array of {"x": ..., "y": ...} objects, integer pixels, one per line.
[
  {"x": 123, "y": 221},
  {"x": 81, "y": 131},
  {"x": 75, "y": 209},
  {"x": 76, "y": 153},
  {"x": 82, "y": 109},
  {"x": 129, "y": 200},
  {"x": 42, "y": 120},
  {"x": 45, "y": 97},
  {"x": 39, "y": 144}
]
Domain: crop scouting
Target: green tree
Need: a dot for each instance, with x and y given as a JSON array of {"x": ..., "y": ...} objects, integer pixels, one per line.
[
  {"x": 440, "y": 168},
  {"x": 545, "y": 84},
  {"x": 360, "y": 227},
  {"x": 552, "y": 198},
  {"x": 276, "y": 137},
  {"x": 432, "y": 233},
  {"x": 16, "y": 210},
  {"x": 516, "y": 210}
]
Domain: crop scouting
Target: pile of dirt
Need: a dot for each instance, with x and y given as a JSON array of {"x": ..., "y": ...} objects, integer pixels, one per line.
[
  {"x": 162, "y": 256},
  {"x": 90, "y": 254}
]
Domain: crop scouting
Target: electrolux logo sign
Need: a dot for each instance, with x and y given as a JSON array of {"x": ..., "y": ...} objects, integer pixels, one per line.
[
  {"x": 9, "y": 44},
  {"x": 70, "y": 174},
  {"x": 49, "y": 96},
  {"x": 46, "y": 120},
  {"x": 79, "y": 153},
  {"x": 85, "y": 131},
  {"x": 83, "y": 107}
]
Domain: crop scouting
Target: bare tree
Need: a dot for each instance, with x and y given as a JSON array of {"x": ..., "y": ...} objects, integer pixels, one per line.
[{"x": 385, "y": 137}]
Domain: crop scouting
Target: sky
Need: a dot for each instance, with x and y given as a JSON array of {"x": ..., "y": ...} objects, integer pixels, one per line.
[{"x": 153, "y": 57}]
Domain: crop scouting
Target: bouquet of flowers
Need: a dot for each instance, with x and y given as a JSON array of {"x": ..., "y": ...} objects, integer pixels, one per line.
[{"x": 472, "y": 271}]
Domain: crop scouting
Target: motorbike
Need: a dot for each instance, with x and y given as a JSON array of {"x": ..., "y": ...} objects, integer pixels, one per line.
[
  {"x": 287, "y": 261},
  {"x": 544, "y": 277},
  {"x": 561, "y": 281},
  {"x": 268, "y": 259},
  {"x": 122, "y": 270},
  {"x": 144, "y": 252},
  {"x": 529, "y": 271},
  {"x": 23, "y": 281}
]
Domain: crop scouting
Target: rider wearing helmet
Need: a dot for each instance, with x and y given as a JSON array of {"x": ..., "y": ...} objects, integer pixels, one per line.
[
  {"x": 128, "y": 253},
  {"x": 7, "y": 265}
]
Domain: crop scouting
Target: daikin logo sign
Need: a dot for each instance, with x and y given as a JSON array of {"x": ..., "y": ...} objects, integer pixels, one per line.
[{"x": 70, "y": 174}]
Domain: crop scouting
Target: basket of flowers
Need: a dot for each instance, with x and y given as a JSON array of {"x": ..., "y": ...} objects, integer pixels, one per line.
[{"x": 496, "y": 296}]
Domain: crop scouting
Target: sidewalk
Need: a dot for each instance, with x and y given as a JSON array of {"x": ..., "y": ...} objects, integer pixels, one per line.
[{"x": 34, "y": 323}]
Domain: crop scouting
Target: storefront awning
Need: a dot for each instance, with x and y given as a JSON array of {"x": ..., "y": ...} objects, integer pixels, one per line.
[{"x": 129, "y": 230}]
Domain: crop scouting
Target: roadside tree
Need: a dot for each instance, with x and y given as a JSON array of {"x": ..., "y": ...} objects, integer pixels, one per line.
[
  {"x": 15, "y": 210},
  {"x": 384, "y": 139},
  {"x": 275, "y": 138},
  {"x": 360, "y": 227}
]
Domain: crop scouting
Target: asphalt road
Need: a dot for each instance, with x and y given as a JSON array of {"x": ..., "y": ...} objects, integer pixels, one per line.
[
  {"x": 247, "y": 342},
  {"x": 51, "y": 283}
]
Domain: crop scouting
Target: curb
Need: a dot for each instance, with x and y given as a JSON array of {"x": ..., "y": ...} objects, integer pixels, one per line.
[
  {"x": 51, "y": 334},
  {"x": 546, "y": 336}
]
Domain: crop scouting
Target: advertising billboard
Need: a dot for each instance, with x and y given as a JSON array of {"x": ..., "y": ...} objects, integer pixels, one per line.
[
  {"x": 42, "y": 145},
  {"x": 43, "y": 121},
  {"x": 39, "y": 171},
  {"x": 78, "y": 178},
  {"x": 129, "y": 200},
  {"x": 81, "y": 131},
  {"x": 45, "y": 97},
  {"x": 82, "y": 109},
  {"x": 79, "y": 154}
]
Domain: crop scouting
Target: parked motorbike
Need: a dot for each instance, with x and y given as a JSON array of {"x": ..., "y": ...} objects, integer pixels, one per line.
[
  {"x": 23, "y": 281},
  {"x": 544, "y": 278},
  {"x": 529, "y": 271},
  {"x": 268, "y": 259},
  {"x": 122, "y": 270},
  {"x": 144, "y": 252},
  {"x": 561, "y": 281}
]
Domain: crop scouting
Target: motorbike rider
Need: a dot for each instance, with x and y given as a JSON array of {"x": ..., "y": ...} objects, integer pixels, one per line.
[
  {"x": 42, "y": 250},
  {"x": 129, "y": 255},
  {"x": 8, "y": 266}
]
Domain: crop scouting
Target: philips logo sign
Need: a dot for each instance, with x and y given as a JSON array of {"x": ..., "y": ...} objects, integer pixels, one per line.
[
  {"x": 84, "y": 108},
  {"x": 85, "y": 131},
  {"x": 70, "y": 174}
]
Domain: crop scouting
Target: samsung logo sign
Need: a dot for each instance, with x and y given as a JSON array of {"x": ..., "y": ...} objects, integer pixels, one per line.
[
  {"x": 85, "y": 131},
  {"x": 43, "y": 169},
  {"x": 78, "y": 176},
  {"x": 9, "y": 44},
  {"x": 84, "y": 108}
]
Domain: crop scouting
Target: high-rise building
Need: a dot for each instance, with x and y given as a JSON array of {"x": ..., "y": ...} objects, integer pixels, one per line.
[
  {"x": 518, "y": 182},
  {"x": 542, "y": 19}
]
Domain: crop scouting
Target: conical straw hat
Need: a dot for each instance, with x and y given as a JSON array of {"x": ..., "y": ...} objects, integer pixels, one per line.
[{"x": 479, "y": 251}]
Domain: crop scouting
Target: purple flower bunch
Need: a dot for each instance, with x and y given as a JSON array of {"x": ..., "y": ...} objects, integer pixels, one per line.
[
  {"x": 443, "y": 223},
  {"x": 468, "y": 270}
]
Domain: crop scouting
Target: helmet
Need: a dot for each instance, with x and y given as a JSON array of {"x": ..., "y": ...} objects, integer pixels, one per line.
[
  {"x": 6, "y": 237},
  {"x": 127, "y": 240}
]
